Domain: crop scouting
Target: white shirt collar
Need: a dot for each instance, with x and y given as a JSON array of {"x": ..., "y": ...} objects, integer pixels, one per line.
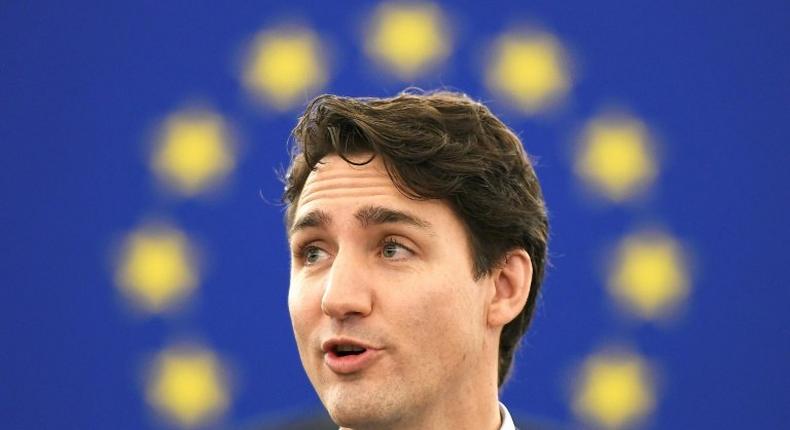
[{"x": 507, "y": 420}]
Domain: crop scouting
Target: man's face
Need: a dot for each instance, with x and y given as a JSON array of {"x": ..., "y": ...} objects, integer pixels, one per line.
[{"x": 388, "y": 318}]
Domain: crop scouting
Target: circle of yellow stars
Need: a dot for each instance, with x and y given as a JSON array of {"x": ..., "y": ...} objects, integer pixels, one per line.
[{"x": 284, "y": 66}]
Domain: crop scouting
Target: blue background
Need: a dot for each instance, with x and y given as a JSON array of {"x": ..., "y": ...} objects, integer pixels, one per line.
[{"x": 81, "y": 85}]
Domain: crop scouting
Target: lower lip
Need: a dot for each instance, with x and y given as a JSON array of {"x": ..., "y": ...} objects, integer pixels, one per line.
[{"x": 350, "y": 363}]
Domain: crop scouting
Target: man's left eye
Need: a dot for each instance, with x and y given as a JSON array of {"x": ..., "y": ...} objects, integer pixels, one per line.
[{"x": 394, "y": 250}]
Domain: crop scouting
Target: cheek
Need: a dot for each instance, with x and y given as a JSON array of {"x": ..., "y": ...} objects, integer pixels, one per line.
[
  {"x": 294, "y": 302},
  {"x": 301, "y": 308},
  {"x": 444, "y": 318}
]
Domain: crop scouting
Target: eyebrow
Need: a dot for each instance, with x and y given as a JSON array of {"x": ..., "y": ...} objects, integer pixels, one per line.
[
  {"x": 377, "y": 215},
  {"x": 367, "y": 216},
  {"x": 316, "y": 218}
]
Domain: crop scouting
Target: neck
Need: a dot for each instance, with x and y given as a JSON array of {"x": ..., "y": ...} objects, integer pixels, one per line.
[{"x": 465, "y": 407}]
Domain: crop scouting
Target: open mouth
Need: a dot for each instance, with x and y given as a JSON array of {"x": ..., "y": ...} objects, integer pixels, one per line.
[
  {"x": 345, "y": 357},
  {"x": 346, "y": 350}
]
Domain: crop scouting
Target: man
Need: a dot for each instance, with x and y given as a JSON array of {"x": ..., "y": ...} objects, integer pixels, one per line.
[{"x": 418, "y": 235}]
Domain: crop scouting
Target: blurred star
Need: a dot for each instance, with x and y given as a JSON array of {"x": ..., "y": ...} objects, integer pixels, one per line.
[
  {"x": 194, "y": 152},
  {"x": 156, "y": 269},
  {"x": 285, "y": 67},
  {"x": 616, "y": 157},
  {"x": 187, "y": 385},
  {"x": 407, "y": 38},
  {"x": 529, "y": 70},
  {"x": 614, "y": 390},
  {"x": 649, "y": 276}
]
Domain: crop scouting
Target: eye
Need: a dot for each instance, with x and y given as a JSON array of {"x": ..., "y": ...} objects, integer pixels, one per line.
[
  {"x": 394, "y": 250},
  {"x": 311, "y": 255}
]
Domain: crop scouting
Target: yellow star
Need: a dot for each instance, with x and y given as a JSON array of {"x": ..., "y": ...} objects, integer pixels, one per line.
[
  {"x": 407, "y": 38},
  {"x": 616, "y": 157},
  {"x": 284, "y": 66},
  {"x": 193, "y": 153},
  {"x": 156, "y": 269},
  {"x": 188, "y": 386},
  {"x": 529, "y": 69},
  {"x": 614, "y": 390},
  {"x": 649, "y": 276}
]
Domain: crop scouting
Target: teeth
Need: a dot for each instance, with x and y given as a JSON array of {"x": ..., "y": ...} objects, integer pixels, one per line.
[{"x": 349, "y": 348}]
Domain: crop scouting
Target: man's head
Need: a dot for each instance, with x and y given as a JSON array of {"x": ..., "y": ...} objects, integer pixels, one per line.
[{"x": 419, "y": 231}]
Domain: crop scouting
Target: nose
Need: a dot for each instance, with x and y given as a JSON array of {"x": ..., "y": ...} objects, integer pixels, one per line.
[{"x": 347, "y": 290}]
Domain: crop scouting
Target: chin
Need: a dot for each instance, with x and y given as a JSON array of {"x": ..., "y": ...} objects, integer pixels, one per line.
[
  {"x": 359, "y": 409},
  {"x": 354, "y": 416}
]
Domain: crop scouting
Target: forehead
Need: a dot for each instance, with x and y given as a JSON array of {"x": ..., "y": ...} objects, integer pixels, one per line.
[
  {"x": 341, "y": 188},
  {"x": 334, "y": 177}
]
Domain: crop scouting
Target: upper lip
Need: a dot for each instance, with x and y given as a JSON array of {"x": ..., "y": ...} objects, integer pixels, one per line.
[{"x": 330, "y": 344}]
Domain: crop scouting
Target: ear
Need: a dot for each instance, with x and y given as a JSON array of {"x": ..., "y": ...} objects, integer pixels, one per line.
[{"x": 512, "y": 281}]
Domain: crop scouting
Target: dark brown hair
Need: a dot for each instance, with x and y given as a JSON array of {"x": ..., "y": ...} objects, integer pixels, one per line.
[{"x": 439, "y": 145}]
